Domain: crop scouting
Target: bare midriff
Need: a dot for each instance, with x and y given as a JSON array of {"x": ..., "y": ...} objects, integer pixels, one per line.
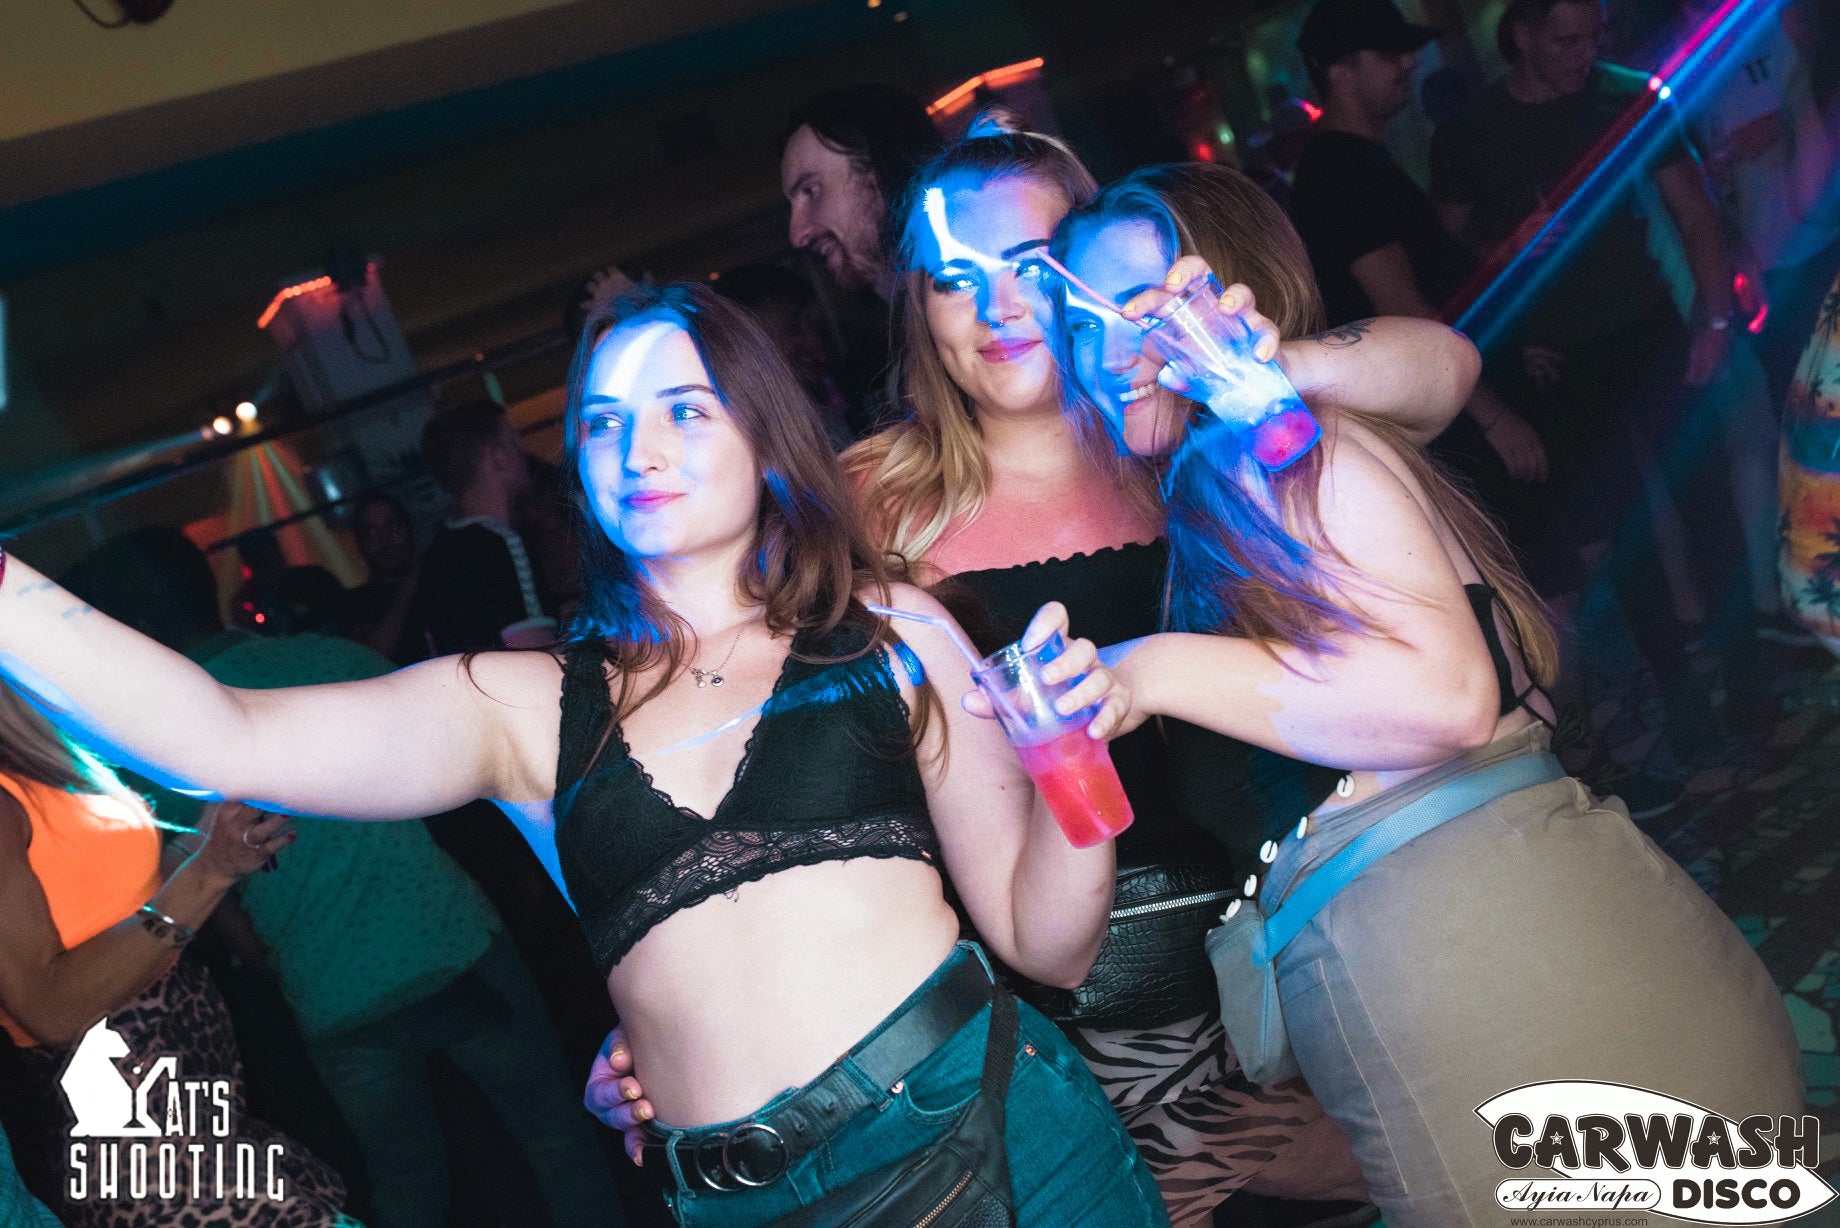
[{"x": 734, "y": 1000}]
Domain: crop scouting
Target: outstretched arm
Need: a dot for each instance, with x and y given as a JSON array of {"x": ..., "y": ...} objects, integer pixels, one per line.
[{"x": 412, "y": 743}]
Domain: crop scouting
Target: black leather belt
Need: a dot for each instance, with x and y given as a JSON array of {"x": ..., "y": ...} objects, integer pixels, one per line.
[{"x": 758, "y": 1152}]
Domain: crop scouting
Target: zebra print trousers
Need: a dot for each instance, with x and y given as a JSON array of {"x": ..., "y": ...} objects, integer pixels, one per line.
[{"x": 1205, "y": 1130}]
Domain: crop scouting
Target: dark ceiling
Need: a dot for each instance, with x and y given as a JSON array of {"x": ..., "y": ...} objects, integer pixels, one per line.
[{"x": 490, "y": 168}]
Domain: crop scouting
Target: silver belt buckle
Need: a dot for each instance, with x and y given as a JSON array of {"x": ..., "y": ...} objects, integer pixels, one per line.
[{"x": 779, "y": 1151}]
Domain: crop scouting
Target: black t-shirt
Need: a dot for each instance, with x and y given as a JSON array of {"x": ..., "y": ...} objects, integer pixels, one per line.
[
  {"x": 468, "y": 590},
  {"x": 862, "y": 371},
  {"x": 1504, "y": 159},
  {"x": 1350, "y": 199}
]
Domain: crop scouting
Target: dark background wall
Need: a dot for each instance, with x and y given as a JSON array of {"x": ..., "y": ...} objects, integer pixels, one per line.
[{"x": 489, "y": 168}]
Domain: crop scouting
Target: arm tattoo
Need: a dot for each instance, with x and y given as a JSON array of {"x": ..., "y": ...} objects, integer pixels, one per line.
[{"x": 1344, "y": 336}]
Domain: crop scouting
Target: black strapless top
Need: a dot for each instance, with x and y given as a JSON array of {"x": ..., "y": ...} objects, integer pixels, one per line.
[
  {"x": 827, "y": 775},
  {"x": 1194, "y": 792}
]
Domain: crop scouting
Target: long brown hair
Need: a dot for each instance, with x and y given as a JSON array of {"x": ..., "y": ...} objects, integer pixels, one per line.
[
  {"x": 1230, "y": 565},
  {"x": 808, "y": 557},
  {"x": 929, "y": 469}
]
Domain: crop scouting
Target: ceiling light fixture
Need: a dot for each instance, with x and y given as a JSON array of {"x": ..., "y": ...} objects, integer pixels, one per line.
[
  {"x": 955, "y": 99},
  {"x": 133, "y": 12}
]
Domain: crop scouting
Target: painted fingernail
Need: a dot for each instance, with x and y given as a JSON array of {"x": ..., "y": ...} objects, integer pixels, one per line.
[
  {"x": 617, "y": 1053},
  {"x": 631, "y": 1093},
  {"x": 643, "y": 1112},
  {"x": 1230, "y": 302}
]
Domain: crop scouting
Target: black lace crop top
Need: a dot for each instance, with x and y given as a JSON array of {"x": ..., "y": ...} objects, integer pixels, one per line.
[{"x": 827, "y": 775}]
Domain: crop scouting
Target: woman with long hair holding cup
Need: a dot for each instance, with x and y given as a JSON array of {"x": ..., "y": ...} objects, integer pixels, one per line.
[
  {"x": 745, "y": 795},
  {"x": 988, "y": 487},
  {"x": 1507, "y": 927}
]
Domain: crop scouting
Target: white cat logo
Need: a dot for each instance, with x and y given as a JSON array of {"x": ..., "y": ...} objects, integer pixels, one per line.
[
  {"x": 104, "y": 1103},
  {"x": 187, "y": 1142}
]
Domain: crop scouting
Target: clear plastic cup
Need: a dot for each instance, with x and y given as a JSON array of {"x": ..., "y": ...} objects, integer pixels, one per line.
[
  {"x": 1073, "y": 771},
  {"x": 1212, "y": 356}
]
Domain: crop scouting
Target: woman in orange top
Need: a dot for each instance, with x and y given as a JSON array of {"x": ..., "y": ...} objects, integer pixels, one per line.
[{"x": 91, "y": 930}]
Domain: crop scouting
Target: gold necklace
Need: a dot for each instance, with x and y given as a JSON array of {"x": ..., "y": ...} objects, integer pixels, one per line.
[{"x": 713, "y": 677}]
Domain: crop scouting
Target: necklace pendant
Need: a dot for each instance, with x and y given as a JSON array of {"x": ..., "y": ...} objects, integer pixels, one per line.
[{"x": 713, "y": 677}]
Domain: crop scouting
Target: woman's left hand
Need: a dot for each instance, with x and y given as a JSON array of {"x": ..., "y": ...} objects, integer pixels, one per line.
[
  {"x": 1080, "y": 660},
  {"x": 1236, "y": 300}
]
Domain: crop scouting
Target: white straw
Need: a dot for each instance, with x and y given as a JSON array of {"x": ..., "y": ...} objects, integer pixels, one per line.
[
  {"x": 948, "y": 627},
  {"x": 1066, "y": 272},
  {"x": 1085, "y": 291}
]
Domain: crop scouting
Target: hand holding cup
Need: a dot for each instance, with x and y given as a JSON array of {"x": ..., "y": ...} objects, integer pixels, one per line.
[
  {"x": 1052, "y": 699},
  {"x": 1081, "y": 660},
  {"x": 1235, "y": 302},
  {"x": 1215, "y": 349}
]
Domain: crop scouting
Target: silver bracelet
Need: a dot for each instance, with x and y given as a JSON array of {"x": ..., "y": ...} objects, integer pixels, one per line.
[{"x": 169, "y": 931}]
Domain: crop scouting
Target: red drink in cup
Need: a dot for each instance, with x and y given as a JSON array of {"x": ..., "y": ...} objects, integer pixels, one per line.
[
  {"x": 1080, "y": 785},
  {"x": 1073, "y": 771}
]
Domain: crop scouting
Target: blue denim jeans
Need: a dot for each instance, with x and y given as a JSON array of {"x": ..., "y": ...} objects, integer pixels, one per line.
[{"x": 1071, "y": 1162}]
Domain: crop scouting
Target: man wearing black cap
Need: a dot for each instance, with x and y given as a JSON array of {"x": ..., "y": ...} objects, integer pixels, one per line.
[{"x": 1374, "y": 237}]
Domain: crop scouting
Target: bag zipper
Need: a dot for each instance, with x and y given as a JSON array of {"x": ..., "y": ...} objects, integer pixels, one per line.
[
  {"x": 945, "y": 1202},
  {"x": 1181, "y": 901}
]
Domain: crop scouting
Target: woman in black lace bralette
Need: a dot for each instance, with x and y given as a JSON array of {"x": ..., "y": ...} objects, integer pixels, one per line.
[{"x": 747, "y": 798}]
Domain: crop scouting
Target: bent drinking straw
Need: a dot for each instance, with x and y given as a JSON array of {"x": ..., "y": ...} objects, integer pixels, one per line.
[
  {"x": 1087, "y": 291},
  {"x": 945, "y": 626},
  {"x": 733, "y": 722},
  {"x": 952, "y": 251},
  {"x": 824, "y": 687}
]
